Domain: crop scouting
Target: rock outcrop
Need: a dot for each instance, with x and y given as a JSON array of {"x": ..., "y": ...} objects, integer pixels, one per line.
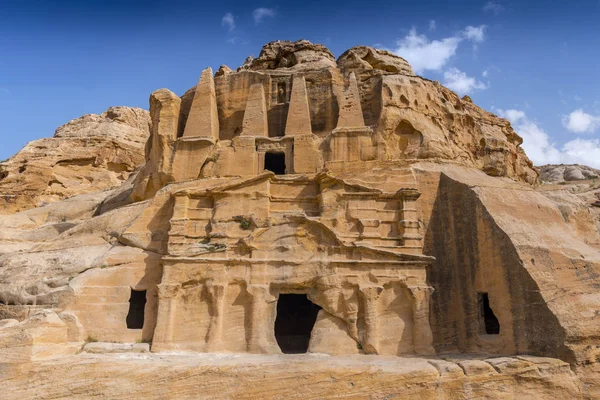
[
  {"x": 299, "y": 55},
  {"x": 557, "y": 174},
  {"x": 349, "y": 209},
  {"x": 576, "y": 189},
  {"x": 87, "y": 154}
]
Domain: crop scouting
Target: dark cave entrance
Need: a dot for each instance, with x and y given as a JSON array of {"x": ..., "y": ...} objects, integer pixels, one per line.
[
  {"x": 296, "y": 316},
  {"x": 275, "y": 162},
  {"x": 137, "y": 304},
  {"x": 490, "y": 322}
]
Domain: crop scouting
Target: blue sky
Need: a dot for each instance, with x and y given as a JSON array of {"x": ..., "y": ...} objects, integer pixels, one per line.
[{"x": 536, "y": 63}]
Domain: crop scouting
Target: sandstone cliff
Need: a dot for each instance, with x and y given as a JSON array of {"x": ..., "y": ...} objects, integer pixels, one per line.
[
  {"x": 87, "y": 154},
  {"x": 409, "y": 219}
]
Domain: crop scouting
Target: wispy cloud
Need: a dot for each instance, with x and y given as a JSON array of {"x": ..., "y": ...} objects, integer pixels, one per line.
[
  {"x": 493, "y": 7},
  {"x": 424, "y": 54},
  {"x": 432, "y": 25},
  {"x": 475, "y": 33},
  {"x": 461, "y": 83},
  {"x": 228, "y": 21},
  {"x": 539, "y": 148},
  {"x": 579, "y": 121},
  {"x": 4, "y": 90},
  {"x": 261, "y": 13}
]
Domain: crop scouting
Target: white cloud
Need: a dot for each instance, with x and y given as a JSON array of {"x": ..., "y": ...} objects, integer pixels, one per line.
[
  {"x": 424, "y": 54},
  {"x": 581, "y": 122},
  {"x": 581, "y": 151},
  {"x": 536, "y": 141},
  {"x": 461, "y": 83},
  {"x": 514, "y": 116},
  {"x": 485, "y": 73},
  {"x": 261, "y": 13},
  {"x": 492, "y": 7},
  {"x": 475, "y": 33},
  {"x": 432, "y": 25},
  {"x": 228, "y": 21},
  {"x": 539, "y": 148}
]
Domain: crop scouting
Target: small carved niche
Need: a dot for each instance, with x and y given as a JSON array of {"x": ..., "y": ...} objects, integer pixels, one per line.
[
  {"x": 409, "y": 139},
  {"x": 282, "y": 93}
]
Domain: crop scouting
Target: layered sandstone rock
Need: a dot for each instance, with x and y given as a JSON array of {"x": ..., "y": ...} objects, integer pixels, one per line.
[
  {"x": 87, "y": 154},
  {"x": 301, "y": 204},
  {"x": 220, "y": 376}
]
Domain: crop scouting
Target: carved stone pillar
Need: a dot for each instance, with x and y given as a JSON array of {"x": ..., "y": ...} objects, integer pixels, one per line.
[
  {"x": 165, "y": 320},
  {"x": 409, "y": 225},
  {"x": 369, "y": 295},
  {"x": 422, "y": 336},
  {"x": 258, "y": 341},
  {"x": 215, "y": 332}
]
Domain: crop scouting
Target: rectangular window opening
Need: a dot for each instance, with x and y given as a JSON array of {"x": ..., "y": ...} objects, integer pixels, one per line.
[{"x": 275, "y": 162}]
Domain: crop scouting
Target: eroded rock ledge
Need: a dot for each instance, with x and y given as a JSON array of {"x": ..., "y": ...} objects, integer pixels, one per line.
[{"x": 221, "y": 376}]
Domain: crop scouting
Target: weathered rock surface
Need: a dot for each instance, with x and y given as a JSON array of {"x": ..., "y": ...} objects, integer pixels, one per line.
[
  {"x": 299, "y": 55},
  {"x": 219, "y": 376},
  {"x": 369, "y": 58},
  {"x": 576, "y": 189},
  {"x": 421, "y": 119},
  {"x": 87, "y": 154}
]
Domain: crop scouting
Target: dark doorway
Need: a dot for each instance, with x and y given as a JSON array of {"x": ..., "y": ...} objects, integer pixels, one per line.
[
  {"x": 490, "y": 322},
  {"x": 275, "y": 162},
  {"x": 137, "y": 303},
  {"x": 296, "y": 316}
]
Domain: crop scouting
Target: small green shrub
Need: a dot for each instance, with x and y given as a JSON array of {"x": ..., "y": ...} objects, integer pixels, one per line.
[
  {"x": 91, "y": 339},
  {"x": 245, "y": 222},
  {"x": 103, "y": 266}
]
